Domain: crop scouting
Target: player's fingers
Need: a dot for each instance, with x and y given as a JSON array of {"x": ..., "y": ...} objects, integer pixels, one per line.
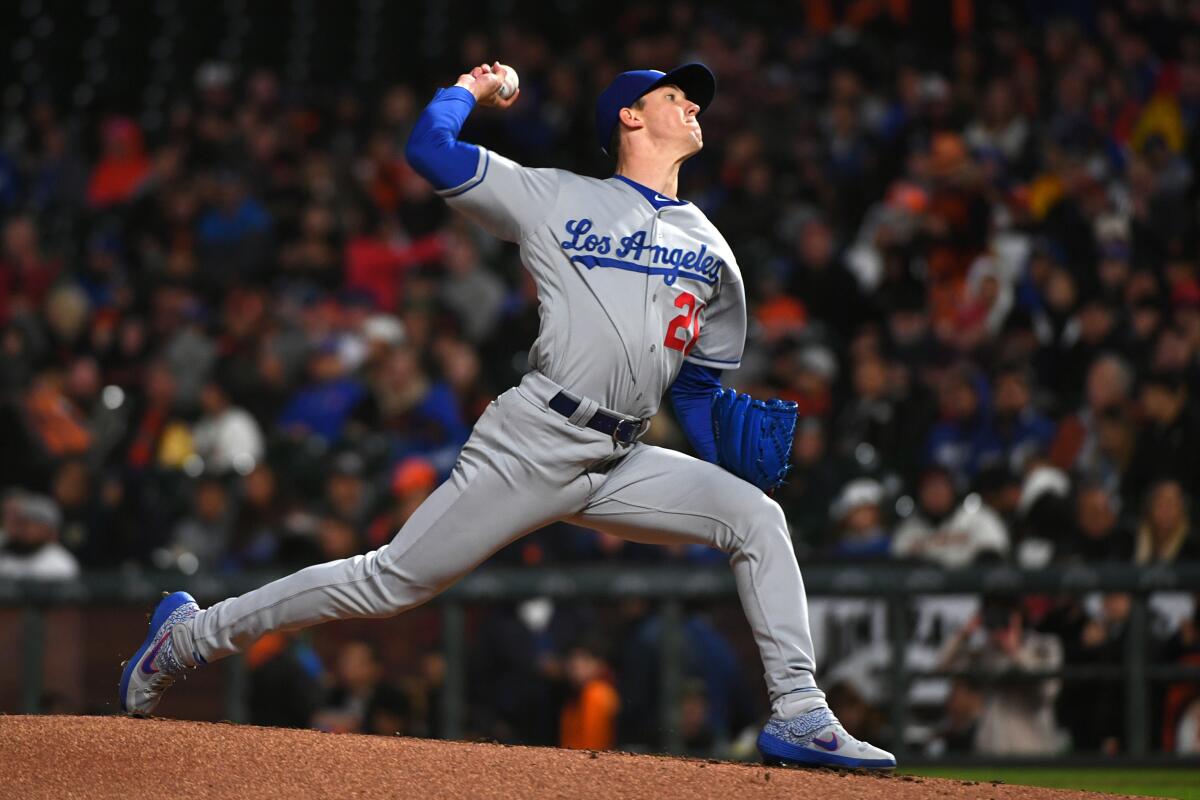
[{"x": 502, "y": 102}]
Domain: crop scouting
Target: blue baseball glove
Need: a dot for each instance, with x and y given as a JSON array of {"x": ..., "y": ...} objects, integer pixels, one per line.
[{"x": 754, "y": 437}]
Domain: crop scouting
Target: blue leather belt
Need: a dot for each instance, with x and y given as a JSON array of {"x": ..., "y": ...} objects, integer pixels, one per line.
[{"x": 624, "y": 431}]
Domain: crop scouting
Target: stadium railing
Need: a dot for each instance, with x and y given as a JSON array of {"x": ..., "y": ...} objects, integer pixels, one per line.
[{"x": 673, "y": 586}]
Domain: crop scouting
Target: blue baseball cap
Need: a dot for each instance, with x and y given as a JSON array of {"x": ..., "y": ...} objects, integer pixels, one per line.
[{"x": 696, "y": 80}]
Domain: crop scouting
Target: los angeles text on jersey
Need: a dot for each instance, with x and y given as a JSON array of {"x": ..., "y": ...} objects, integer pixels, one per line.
[{"x": 634, "y": 254}]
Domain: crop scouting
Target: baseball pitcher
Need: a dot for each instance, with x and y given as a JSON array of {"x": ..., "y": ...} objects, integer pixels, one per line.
[{"x": 639, "y": 296}]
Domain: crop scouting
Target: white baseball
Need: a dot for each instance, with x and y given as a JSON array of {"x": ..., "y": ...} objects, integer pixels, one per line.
[{"x": 511, "y": 82}]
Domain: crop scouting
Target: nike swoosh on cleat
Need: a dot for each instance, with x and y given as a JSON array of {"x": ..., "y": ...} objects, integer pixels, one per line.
[
  {"x": 830, "y": 745},
  {"x": 149, "y": 659}
]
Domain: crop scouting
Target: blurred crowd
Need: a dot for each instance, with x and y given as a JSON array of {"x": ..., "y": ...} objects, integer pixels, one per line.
[
  {"x": 252, "y": 338},
  {"x": 538, "y": 672}
]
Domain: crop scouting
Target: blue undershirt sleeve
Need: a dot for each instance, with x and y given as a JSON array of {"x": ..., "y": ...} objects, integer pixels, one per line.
[
  {"x": 691, "y": 396},
  {"x": 433, "y": 149}
]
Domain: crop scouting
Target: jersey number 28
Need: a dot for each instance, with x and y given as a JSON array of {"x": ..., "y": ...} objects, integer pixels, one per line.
[{"x": 688, "y": 321}]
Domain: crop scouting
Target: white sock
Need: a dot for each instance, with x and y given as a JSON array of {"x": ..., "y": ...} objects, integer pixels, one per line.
[
  {"x": 181, "y": 644},
  {"x": 801, "y": 701}
]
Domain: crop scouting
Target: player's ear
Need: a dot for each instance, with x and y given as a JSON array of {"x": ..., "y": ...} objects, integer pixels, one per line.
[{"x": 631, "y": 118}]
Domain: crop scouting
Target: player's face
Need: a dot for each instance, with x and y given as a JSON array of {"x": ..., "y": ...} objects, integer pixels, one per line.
[{"x": 671, "y": 118}]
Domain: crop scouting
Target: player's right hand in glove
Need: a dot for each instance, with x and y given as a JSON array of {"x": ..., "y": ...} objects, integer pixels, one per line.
[{"x": 754, "y": 437}]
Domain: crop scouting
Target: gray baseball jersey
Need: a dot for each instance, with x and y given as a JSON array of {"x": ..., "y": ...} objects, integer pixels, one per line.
[{"x": 630, "y": 283}]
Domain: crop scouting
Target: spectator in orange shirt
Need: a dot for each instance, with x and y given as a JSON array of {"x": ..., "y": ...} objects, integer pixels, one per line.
[
  {"x": 54, "y": 420},
  {"x": 589, "y": 717}
]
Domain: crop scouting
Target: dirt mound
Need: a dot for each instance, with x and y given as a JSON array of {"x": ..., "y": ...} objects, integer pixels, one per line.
[{"x": 99, "y": 757}]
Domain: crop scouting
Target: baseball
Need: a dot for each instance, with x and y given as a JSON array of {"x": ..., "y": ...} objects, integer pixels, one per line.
[{"x": 511, "y": 82}]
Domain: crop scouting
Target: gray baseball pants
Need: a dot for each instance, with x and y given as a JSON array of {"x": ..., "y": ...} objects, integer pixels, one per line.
[{"x": 524, "y": 467}]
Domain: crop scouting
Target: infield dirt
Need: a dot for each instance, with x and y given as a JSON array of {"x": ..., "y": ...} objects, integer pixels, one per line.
[{"x": 103, "y": 757}]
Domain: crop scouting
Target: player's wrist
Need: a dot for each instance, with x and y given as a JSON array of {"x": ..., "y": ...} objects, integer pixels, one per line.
[
  {"x": 469, "y": 85},
  {"x": 466, "y": 91}
]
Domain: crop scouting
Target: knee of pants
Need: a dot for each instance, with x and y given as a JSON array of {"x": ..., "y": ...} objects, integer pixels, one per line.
[
  {"x": 395, "y": 588},
  {"x": 765, "y": 527}
]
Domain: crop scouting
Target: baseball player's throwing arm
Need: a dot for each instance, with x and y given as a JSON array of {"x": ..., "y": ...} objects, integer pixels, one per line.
[
  {"x": 433, "y": 149},
  {"x": 500, "y": 195}
]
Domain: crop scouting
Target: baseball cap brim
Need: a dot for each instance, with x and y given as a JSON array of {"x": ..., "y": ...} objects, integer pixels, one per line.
[{"x": 696, "y": 80}]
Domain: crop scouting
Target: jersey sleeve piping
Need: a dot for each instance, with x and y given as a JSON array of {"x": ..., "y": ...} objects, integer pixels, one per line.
[{"x": 476, "y": 179}]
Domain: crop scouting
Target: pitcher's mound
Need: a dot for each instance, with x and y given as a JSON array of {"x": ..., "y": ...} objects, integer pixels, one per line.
[{"x": 102, "y": 757}]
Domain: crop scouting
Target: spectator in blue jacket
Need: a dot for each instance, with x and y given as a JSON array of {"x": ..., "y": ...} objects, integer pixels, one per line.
[
  {"x": 1021, "y": 429},
  {"x": 964, "y": 439},
  {"x": 320, "y": 409}
]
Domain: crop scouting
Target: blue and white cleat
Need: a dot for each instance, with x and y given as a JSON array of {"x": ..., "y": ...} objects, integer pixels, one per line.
[
  {"x": 817, "y": 739},
  {"x": 154, "y": 666}
]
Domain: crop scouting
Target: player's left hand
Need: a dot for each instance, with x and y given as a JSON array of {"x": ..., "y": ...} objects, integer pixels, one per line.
[{"x": 754, "y": 437}]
